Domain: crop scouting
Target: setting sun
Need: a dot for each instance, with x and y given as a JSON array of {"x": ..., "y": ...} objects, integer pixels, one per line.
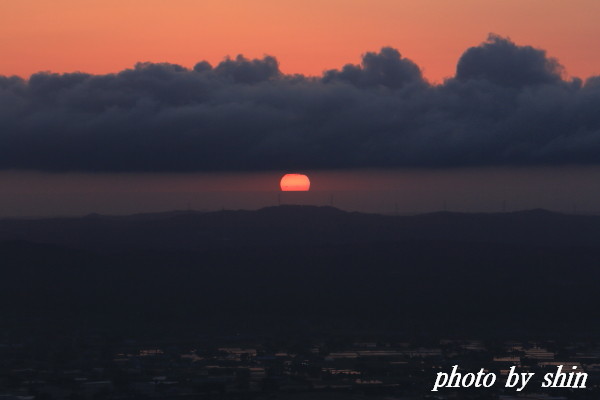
[{"x": 295, "y": 183}]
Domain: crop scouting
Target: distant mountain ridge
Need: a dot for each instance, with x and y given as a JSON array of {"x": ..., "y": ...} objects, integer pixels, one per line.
[
  {"x": 289, "y": 224},
  {"x": 295, "y": 267}
]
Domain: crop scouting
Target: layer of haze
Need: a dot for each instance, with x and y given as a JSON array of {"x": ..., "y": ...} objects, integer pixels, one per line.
[
  {"x": 403, "y": 191},
  {"x": 308, "y": 37}
]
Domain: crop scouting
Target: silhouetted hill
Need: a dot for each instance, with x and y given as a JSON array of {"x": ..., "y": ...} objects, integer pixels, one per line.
[
  {"x": 300, "y": 267},
  {"x": 300, "y": 225},
  {"x": 454, "y": 287}
]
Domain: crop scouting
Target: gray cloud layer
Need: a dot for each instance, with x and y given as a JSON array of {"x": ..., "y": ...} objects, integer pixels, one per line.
[{"x": 507, "y": 105}]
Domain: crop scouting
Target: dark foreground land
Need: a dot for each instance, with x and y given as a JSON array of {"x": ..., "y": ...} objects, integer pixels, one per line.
[{"x": 293, "y": 302}]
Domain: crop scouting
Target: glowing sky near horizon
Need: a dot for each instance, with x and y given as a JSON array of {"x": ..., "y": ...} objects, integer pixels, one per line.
[
  {"x": 306, "y": 36},
  {"x": 404, "y": 191}
]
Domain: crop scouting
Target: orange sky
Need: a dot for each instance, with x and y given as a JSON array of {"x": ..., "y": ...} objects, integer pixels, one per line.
[{"x": 306, "y": 36}]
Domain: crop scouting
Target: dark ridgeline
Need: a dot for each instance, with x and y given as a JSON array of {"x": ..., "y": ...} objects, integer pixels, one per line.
[
  {"x": 300, "y": 225},
  {"x": 305, "y": 268}
]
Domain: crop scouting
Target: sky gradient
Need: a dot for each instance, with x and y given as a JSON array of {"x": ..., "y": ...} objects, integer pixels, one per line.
[
  {"x": 391, "y": 106},
  {"x": 307, "y": 37}
]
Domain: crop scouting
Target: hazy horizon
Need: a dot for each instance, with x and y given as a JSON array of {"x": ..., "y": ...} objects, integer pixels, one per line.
[{"x": 403, "y": 191}]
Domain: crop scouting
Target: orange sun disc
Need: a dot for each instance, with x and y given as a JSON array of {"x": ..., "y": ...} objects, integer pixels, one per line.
[{"x": 295, "y": 183}]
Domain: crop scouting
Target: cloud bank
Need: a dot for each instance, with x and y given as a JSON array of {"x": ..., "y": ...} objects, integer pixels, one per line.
[{"x": 506, "y": 105}]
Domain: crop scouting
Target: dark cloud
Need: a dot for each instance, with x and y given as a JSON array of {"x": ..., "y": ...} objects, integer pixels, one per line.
[
  {"x": 502, "y": 62},
  {"x": 507, "y": 105},
  {"x": 386, "y": 68},
  {"x": 242, "y": 70}
]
